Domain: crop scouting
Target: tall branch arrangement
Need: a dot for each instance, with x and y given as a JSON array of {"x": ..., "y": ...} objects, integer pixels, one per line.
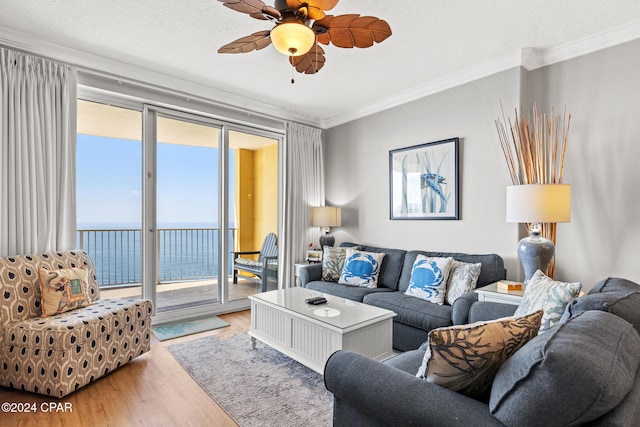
[{"x": 535, "y": 151}]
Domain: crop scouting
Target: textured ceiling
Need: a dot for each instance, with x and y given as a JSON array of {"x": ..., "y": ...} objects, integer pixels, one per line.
[{"x": 431, "y": 39}]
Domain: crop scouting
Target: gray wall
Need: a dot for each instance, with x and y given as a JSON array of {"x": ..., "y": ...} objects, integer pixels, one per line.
[{"x": 601, "y": 92}]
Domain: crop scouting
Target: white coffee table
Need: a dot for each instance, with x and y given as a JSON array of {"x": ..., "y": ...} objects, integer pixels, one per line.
[{"x": 311, "y": 333}]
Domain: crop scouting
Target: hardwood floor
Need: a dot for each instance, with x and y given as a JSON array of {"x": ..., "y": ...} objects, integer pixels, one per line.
[{"x": 152, "y": 390}]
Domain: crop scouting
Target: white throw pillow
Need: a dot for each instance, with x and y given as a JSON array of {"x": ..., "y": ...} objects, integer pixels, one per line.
[{"x": 463, "y": 278}]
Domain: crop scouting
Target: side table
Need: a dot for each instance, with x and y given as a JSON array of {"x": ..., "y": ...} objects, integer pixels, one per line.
[{"x": 490, "y": 293}]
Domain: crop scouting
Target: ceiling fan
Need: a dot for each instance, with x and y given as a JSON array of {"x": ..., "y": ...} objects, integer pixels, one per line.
[{"x": 300, "y": 26}]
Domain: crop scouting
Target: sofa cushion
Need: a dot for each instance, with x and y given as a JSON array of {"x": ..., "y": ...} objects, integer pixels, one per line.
[
  {"x": 463, "y": 278},
  {"x": 614, "y": 284},
  {"x": 412, "y": 311},
  {"x": 465, "y": 358},
  {"x": 570, "y": 375},
  {"x": 333, "y": 262},
  {"x": 544, "y": 293},
  {"x": 354, "y": 293},
  {"x": 391, "y": 264},
  {"x": 63, "y": 290},
  {"x": 492, "y": 266},
  {"x": 624, "y": 304},
  {"x": 408, "y": 361},
  {"x": 429, "y": 278}
]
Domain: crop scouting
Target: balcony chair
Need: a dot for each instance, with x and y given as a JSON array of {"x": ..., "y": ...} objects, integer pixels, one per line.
[{"x": 264, "y": 268}]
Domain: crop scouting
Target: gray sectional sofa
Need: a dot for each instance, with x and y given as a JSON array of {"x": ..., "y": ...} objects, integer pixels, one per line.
[
  {"x": 415, "y": 317},
  {"x": 583, "y": 371}
]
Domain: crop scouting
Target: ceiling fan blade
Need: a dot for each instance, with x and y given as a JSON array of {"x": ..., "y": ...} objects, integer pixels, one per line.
[
  {"x": 255, "y": 41},
  {"x": 315, "y": 8},
  {"x": 309, "y": 63},
  {"x": 254, "y": 8},
  {"x": 351, "y": 30}
]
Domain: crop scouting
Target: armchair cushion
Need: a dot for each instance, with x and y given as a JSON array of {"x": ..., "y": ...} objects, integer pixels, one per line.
[{"x": 248, "y": 262}]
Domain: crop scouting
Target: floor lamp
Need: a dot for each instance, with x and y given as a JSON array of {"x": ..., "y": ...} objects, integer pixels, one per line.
[{"x": 536, "y": 204}]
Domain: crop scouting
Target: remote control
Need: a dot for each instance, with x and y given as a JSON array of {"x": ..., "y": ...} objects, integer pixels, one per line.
[{"x": 316, "y": 300}]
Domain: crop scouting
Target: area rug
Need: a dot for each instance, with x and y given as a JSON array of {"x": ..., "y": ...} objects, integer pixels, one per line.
[
  {"x": 256, "y": 387},
  {"x": 175, "y": 330}
]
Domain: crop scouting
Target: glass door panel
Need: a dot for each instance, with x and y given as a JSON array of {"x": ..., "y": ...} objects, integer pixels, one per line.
[
  {"x": 187, "y": 225},
  {"x": 109, "y": 195},
  {"x": 253, "y": 170}
]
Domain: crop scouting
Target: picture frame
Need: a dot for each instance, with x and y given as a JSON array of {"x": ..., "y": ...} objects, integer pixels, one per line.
[{"x": 424, "y": 181}]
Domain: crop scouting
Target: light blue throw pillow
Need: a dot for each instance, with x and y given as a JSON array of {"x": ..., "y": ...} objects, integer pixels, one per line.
[
  {"x": 429, "y": 278},
  {"x": 361, "y": 268}
]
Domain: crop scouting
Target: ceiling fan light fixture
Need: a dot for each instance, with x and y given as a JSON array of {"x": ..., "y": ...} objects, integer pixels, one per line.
[{"x": 292, "y": 38}]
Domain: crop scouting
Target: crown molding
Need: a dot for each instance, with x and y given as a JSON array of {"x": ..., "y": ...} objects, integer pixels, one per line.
[
  {"x": 102, "y": 66},
  {"x": 584, "y": 46},
  {"x": 528, "y": 58},
  {"x": 504, "y": 62}
]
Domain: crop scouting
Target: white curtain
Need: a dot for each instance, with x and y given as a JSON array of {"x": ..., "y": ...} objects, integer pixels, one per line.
[
  {"x": 304, "y": 189},
  {"x": 37, "y": 154}
]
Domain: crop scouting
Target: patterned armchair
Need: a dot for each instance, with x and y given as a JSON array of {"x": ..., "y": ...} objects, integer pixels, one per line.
[{"x": 56, "y": 355}]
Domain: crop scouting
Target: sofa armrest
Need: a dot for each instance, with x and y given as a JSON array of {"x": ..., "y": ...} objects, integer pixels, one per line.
[
  {"x": 486, "y": 310},
  {"x": 393, "y": 397},
  {"x": 310, "y": 273},
  {"x": 461, "y": 307}
]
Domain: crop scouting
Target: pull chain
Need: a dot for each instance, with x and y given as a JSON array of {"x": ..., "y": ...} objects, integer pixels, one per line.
[{"x": 292, "y": 51}]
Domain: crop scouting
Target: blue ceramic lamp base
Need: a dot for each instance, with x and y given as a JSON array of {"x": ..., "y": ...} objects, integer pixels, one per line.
[{"x": 535, "y": 253}]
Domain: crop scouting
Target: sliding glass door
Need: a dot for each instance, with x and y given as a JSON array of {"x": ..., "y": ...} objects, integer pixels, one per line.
[
  {"x": 165, "y": 200},
  {"x": 187, "y": 215}
]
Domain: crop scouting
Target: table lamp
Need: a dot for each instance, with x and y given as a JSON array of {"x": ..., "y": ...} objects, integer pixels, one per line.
[
  {"x": 536, "y": 204},
  {"x": 326, "y": 217}
]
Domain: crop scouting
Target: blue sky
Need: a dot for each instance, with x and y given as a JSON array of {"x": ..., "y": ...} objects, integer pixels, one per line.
[{"x": 109, "y": 182}]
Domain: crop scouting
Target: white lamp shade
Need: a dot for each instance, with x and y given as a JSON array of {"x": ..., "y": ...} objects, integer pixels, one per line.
[
  {"x": 292, "y": 38},
  {"x": 326, "y": 216},
  {"x": 539, "y": 203}
]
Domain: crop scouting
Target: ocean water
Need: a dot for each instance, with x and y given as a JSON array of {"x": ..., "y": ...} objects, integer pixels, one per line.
[{"x": 185, "y": 251}]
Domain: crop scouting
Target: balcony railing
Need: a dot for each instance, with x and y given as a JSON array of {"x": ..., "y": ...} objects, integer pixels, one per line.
[{"x": 183, "y": 254}]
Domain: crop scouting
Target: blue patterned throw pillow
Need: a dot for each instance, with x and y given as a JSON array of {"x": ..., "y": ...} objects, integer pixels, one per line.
[
  {"x": 544, "y": 293},
  {"x": 429, "y": 278},
  {"x": 361, "y": 268}
]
